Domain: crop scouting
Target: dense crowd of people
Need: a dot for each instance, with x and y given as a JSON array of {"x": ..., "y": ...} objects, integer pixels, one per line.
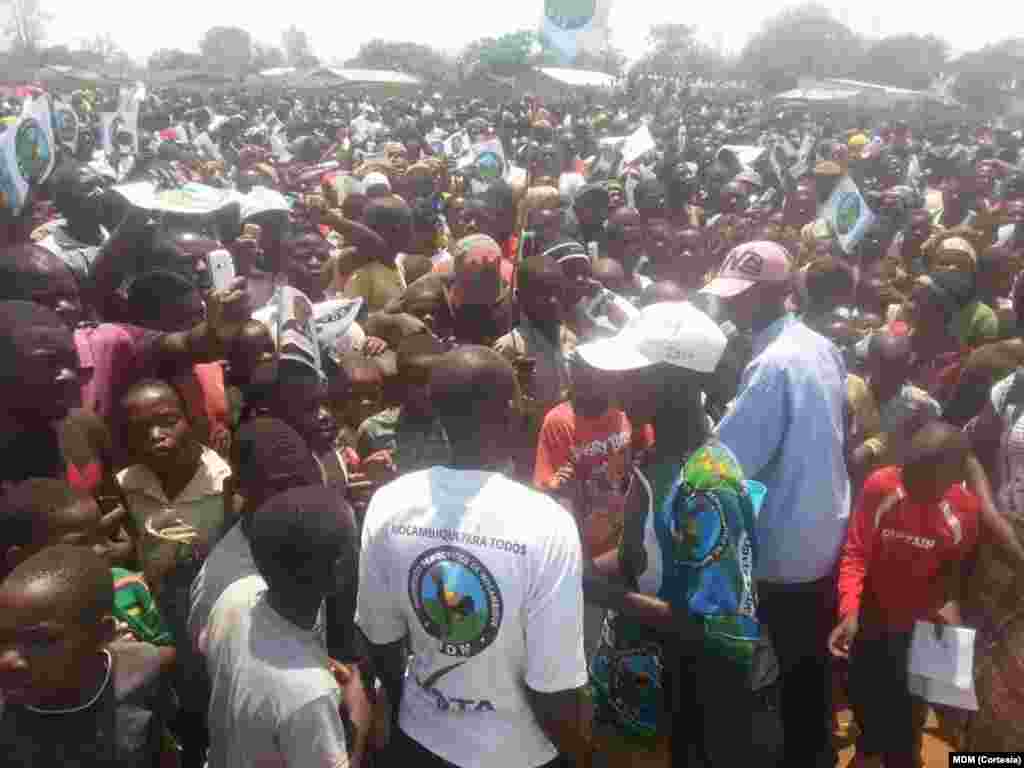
[{"x": 531, "y": 435}]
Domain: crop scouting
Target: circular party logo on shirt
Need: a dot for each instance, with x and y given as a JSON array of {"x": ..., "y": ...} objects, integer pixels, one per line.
[{"x": 456, "y": 599}]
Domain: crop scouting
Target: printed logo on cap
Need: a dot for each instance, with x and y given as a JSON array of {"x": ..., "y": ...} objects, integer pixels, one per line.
[
  {"x": 456, "y": 600},
  {"x": 747, "y": 263}
]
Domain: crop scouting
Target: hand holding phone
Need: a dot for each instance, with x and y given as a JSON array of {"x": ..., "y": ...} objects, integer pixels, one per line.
[{"x": 222, "y": 269}]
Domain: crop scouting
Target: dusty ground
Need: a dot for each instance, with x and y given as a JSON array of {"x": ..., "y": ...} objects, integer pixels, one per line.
[{"x": 934, "y": 751}]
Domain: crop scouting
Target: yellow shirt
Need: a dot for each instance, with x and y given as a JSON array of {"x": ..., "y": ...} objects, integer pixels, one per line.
[
  {"x": 887, "y": 428},
  {"x": 377, "y": 284}
]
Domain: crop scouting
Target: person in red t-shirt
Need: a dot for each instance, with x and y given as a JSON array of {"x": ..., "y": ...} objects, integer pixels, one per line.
[
  {"x": 583, "y": 456},
  {"x": 911, "y": 529}
]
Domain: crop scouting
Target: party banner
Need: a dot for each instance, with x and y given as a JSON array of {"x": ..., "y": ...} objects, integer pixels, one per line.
[
  {"x": 259, "y": 200},
  {"x": 188, "y": 198},
  {"x": 486, "y": 159},
  {"x": 332, "y": 319},
  {"x": 296, "y": 331},
  {"x": 13, "y": 188},
  {"x": 65, "y": 125},
  {"x": 570, "y": 27},
  {"x": 27, "y": 152},
  {"x": 456, "y": 145},
  {"x": 848, "y": 213},
  {"x": 637, "y": 144},
  {"x": 125, "y": 120}
]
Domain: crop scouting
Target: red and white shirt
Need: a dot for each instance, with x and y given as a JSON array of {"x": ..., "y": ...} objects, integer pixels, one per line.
[{"x": 905, "y": 544}]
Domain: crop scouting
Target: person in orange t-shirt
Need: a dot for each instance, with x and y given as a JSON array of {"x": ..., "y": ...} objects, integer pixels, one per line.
[{"x": 583, "y": 457}]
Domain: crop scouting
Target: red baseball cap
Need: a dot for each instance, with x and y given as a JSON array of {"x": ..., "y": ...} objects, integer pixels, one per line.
[{"x": 759, "y": 262}]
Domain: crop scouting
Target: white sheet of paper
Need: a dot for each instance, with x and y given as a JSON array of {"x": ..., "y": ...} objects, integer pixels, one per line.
[
  {"x": 940, "y": 693},
  {"x": 947, "y": 660}
]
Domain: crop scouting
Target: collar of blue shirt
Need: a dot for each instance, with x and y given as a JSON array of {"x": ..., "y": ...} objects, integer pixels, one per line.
[{"x": 766, "y": 336}]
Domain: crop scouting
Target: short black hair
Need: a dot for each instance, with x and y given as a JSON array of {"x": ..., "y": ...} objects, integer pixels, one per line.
[
  {"x": 143, "y": 384},
  {"x": 82, "y": 577},
  {"x": 292, "y": 534},
  {"x": 499, "y": 195},
  {"x": 466, "y": 382},
  {"x": 826, "y": 278},
  {"x": 28, "y": 504}
]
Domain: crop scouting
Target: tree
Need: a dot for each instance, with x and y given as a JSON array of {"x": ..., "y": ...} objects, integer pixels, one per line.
[
  {"x": 675, "y": 50},
  {"x": 266, "y": 57},
  {"x": 227, "y": 50},
  {"x": 611, "y": 60},
  {"x": 506, "y": 55},
  {"x": 56, "y": 54},
  {"x": 804, "y": 40},
  {"x": 411, "y": 58},
  {"x": 909, "y": 61},
  {"x": 986, "y": 78},
  {"x": 102, "y": 49},
  {"x": 169, "y": 59},
  {"x": 26, "y": 26},
  {"x": 297, "y": 49}
]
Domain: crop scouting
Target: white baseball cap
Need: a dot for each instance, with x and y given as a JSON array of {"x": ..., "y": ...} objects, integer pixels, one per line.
[{"x": 675, "y": 332}]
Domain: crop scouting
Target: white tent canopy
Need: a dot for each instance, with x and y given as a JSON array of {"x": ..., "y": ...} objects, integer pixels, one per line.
[
  {"x": 368, "y": 76},
  {"x": 278, "y": 72},
  {"x": 580, "y": 78}
]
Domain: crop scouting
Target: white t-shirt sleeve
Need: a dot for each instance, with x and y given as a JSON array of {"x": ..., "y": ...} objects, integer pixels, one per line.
[
  {"x": 555, "y": 659},
  {"x": 999, "y": 393},
  {"x": 314, "y": 736},
  {"x": 378, "y": 612}
]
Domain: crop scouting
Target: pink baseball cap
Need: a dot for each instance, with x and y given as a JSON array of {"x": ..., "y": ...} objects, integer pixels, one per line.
[{"x": 759, "y": 262}]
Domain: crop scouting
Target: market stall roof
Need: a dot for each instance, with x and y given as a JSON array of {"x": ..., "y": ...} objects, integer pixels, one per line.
[
  {"x": 818, "y": 94},
  {"x": 890, "y": 90},
  {"x": 278, "y": 72},
  {"x": 67, "y": 73},
  {"x": 366, "y": 76},
  {"x": 191, "y": 77},
  {"x": 581, "y": 78}
]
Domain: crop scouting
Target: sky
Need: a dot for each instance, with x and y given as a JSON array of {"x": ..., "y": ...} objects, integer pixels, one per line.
[{"x": 337, "y": 28}]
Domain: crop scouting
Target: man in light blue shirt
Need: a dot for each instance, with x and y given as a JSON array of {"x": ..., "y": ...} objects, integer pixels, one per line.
[{"x": 787, "y": 428}]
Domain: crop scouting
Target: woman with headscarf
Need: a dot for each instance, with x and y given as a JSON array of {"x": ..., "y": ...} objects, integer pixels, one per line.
[
  {"x": 975, "y": 323},
  {"x": 935, "y": 303}
]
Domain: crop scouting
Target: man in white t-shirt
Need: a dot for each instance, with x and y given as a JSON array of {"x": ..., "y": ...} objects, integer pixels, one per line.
[
  {"x": 482, "y": 577},
  {"x": 275, "y": 696},
  {"x": 269, "y": 458}
]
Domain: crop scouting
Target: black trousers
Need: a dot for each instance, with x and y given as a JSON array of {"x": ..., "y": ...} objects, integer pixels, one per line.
[
  {"x": 404, "y": 752},
  {"x": 712, "y": 714},
  {"x": 889, "y": 717},
  {"x": 800, "y": 618}
]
